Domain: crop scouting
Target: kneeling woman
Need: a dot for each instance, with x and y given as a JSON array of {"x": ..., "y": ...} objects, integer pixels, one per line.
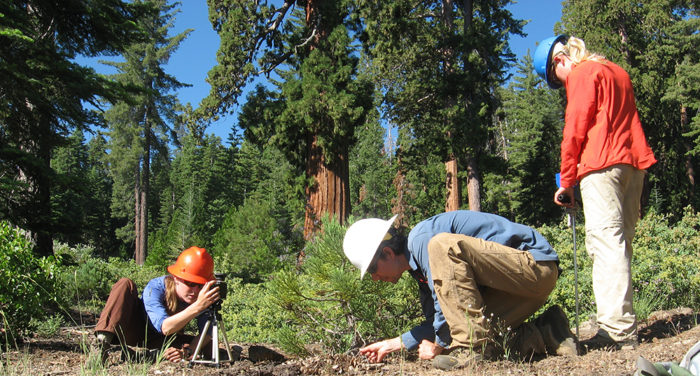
[{"x": 167, "y": 305}]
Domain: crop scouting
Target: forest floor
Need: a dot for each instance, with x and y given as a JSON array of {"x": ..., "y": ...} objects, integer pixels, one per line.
[{"x": 664, "y": 336}]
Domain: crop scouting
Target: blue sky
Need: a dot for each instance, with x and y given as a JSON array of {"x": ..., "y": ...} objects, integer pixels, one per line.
[{"x": 197, "y": 54}]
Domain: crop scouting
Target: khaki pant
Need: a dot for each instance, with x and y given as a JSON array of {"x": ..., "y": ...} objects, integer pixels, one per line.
[
  {"x": 483, "y": 285},
  {"x": 611, "y": 207}
]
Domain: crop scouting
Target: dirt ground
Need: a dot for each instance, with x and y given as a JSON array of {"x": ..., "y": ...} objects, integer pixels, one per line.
[{"x": 665, "y": 336}]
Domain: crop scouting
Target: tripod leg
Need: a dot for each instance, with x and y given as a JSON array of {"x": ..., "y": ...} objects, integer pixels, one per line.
[
  {"x": 215, "y": 343},
  {"x": 202, "y": 335},
  {"x": 228, "y": 348}
]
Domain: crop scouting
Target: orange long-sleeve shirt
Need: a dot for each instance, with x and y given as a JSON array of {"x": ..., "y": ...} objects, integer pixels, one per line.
[{"x": 602, "y": 125}]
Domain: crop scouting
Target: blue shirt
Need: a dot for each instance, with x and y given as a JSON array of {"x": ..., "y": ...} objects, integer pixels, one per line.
[
  {"x": 154, "y": 301},
  {"x": 480, "y": 225}
]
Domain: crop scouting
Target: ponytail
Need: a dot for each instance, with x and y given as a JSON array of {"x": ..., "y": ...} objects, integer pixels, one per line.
[
  {"x": 576, "y": 50},
  {"x": 170, "y": 296}
]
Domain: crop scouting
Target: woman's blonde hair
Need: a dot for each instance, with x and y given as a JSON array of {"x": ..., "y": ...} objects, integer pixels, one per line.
[
  {"x": 576, "y": 50},
  {"x": 170, "y": 295}
]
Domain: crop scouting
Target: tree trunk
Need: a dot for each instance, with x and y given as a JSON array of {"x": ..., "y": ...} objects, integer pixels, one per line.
[
  {"x": 42, "y": 236},
  {"x": 452, "y": 186},
  {"x": 689, "y": 167},
  {"x": 473, "y": 185},
  {"x": 137, "y": 214},
  {"x": 330, "y": 191},
  {"x": 473, "y": 179},
  {"x": 399, "y": 203}
]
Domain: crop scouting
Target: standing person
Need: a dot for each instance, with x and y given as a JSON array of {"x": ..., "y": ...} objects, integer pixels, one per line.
[
  {"x": 603, "y": 149},
  {"x": 473, "y": 270},
  {"x": 168, "y": 303}
]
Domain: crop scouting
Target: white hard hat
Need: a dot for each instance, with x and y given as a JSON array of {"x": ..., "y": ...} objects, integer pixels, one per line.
[{"x": 362, "y": 240}]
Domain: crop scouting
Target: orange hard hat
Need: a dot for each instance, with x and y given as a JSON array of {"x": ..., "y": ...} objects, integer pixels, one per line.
[{"x": 194, "y": 265}]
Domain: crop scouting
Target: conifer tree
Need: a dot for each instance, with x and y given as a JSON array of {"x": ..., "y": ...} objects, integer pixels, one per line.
[
  {"x": 371, "y": 171},
  {"x": 81, "y": 193},
  {"x": 200, "y": 190},
  {"x": 323, "y": 99},
  {"x": 439, "y": 63},
  {"x": 144, "y": 123},
  {"x": 528, "y": 132},
  {"x": 42, "y": 92}
]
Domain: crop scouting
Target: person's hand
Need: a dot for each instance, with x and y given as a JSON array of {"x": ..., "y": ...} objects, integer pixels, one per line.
[
  {"x": 569, "y": 192},
  {"x": 428, "y": 349},
  {"x": 175, "y": 355},
  {"x": 208, "y": 295},
  {"x": 376, "y": 352}
]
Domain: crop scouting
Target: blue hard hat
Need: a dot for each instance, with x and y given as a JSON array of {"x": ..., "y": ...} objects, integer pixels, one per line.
[{"x": 543, "y": 58}]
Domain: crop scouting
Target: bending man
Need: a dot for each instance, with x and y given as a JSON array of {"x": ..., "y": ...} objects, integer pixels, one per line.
[{"x": 473, "y": 269}]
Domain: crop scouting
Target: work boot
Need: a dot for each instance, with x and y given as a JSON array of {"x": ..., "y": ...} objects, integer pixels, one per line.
[
  {"x": 602, "y": 341},
  {"x": 554, "y": 327},
  {"x": 527, "y": 341},
  {"x": 103, "y": 344},
  {"x": 457, "y": 358}
]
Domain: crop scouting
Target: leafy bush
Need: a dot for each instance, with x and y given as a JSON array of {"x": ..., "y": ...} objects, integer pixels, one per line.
[
  {"x": 86, "y": 278},
  {"x": 250, "y": 244},
  {"x": 325, "y": 302},
  {"x": 664, "y": 264},
  {"x": 250, "y": 314},
  {"x": 28, "y": 285}
]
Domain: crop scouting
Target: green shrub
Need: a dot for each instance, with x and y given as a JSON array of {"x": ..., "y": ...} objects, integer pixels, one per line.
[
  {"x": 325, "y": 302},
  {"x": 87, "y": 280},
  {"x": 250, "y": 243},
  {"x": 49, "y": 326},
  {"x": 250, "y": 314},
  {"x": 664, "y": 264},
  {"x": 28, "y": 284}
]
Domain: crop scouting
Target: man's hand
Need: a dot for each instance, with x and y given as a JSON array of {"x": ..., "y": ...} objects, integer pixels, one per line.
[
  {"x": 428, "y": 350},
  {"x": 376, "y": 352}
]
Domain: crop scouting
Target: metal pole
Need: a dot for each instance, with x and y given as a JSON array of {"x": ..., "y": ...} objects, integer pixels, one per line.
[{"x": 572, "y": 222}]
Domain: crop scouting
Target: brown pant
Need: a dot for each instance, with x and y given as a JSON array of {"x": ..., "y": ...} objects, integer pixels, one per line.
[
  {"x": 125, "y": 316},
  {"x": 482, "y": 285}
]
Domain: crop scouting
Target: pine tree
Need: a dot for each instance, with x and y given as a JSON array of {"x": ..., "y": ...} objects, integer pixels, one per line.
[
  {"x": 42, "y": 91},
  {"x": 144, "y": 123},
  {"x": 371, "y": 170},
  {"x": 439, "y": 63},
  {"x": 322, "y": 99},
  {"x": 81, "y": 192},
  {"x": 200, "y": 190},
  {"x": 529, "y": 131}
]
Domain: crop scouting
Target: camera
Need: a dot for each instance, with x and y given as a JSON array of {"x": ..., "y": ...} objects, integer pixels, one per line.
[{"x": 221, "y": 284}]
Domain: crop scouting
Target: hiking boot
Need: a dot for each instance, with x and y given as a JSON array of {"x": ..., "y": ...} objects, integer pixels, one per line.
[
  {"x": 601, "y": 341},
  {"x": 456, "y": 359},
  {"x": 554, "y": 327},
  {"x": 103, "y": 344},
  {"x": 527, "y": 341}
]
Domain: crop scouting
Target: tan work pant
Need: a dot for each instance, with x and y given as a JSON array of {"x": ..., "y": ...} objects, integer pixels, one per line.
[
  {"x": 482, "y": 285},
  {"x": 611, "y": 206}
]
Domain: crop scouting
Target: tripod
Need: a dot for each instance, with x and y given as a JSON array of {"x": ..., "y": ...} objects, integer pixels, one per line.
[{"x": 213, "y": 322}]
